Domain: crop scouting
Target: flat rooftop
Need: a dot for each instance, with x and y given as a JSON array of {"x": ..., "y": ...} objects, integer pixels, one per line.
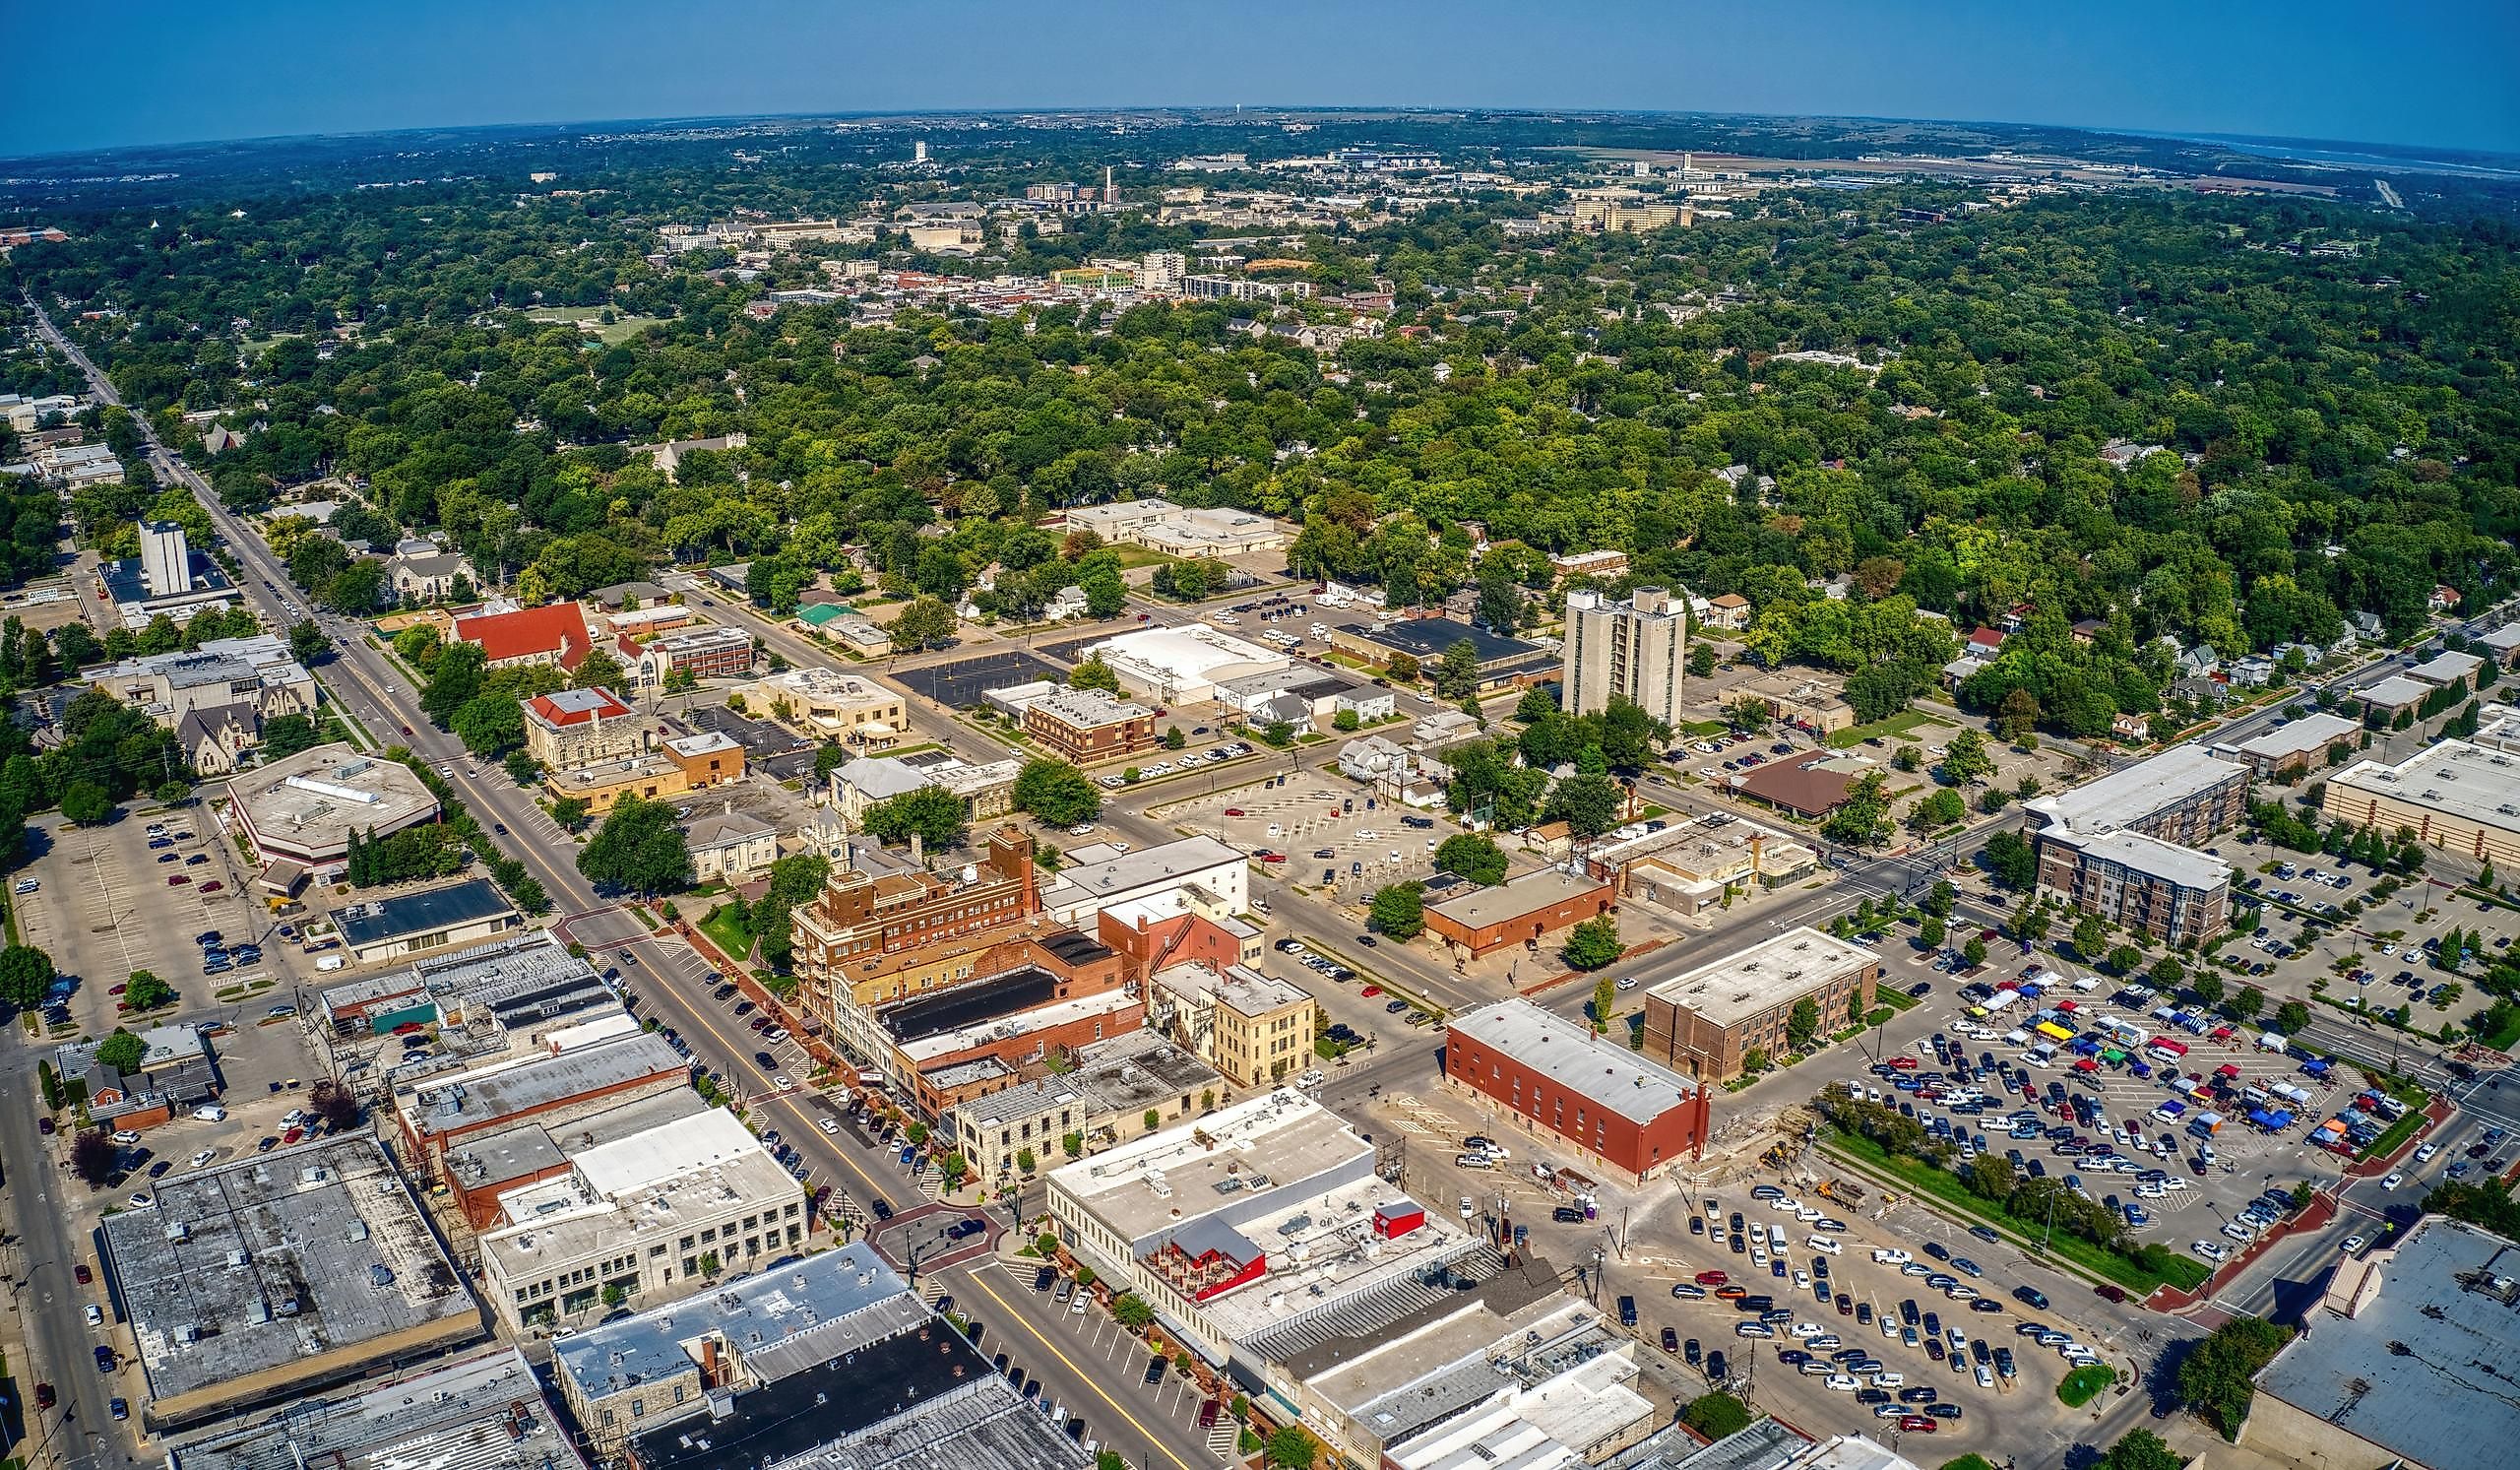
[
  {"x": 1322, "y": 1247},
  {"x": 1021, "y": 1023},
  {"x": 1571, "y": 1056},
  {"x": 751, "y": 1314},
  {"x": 529, "y": 1149},
  {"x": 517, "y": 1087},
  {"x": 1099, "y": 871},
  {"x": 2122, "y": 799},
  {"x": 1161, "y": 1178},
  {"x": 2395, "y": 691},
  {"x": 272, "y": 1262},
  {"x": 2421, "y": 1365},
  {"x": 479, "y": 1413},
  {"x": 2150, "y": 855},
  {"x": 2474, "y": 783},
  {"x": 377, "y": 921},
  {"x": 2444, "y": 667},
  {"x": 974, "y": 1004},
  {"x": 1773, "y": 972},
  {"x": 678, "y": 1146},
  {"x": 2307, "y": 735},
  {"x": 1530, "y": 893},
  {"x": 312, "y": 801}
]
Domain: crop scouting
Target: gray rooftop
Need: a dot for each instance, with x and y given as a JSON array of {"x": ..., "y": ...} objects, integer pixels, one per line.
[
  {"x": 461, "y": 1414},
  {"x": 529, "y": 1148},
  {"x": 515, "y": 1089},
  {"x": 1764, "y": 1446},
  {"x": 2125, "y": 798},
  {"x": 1100, "y": 870},
  {"x": 2395, "y": 691},
  {"x": 1481, "y": 907},
  {"x": 2309, "y": 735},
  {"x": 380, "y": 920},
  {"x": 2151, "y": 857},
  {"x": 1571, "y": 1056},
  {"x": 2471, "y": 782},
  {"x": 2420, "y": 1368},
  {"x": 277, "y": 1259},
  {"x": 1779, "y": 969},
  {"x": 823, "y": 1298}
]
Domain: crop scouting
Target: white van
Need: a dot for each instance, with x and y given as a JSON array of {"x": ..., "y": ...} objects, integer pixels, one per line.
[
  {"x": 1824, "y": 1244},
  {"x": 1776, "y": 1238}
]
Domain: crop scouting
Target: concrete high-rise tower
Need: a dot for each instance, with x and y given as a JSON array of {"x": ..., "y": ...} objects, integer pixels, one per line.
[
  {"x": 1633, "y": 651},
  {"x": 1111, "y": 191},
  {"x": 918, "y": 152}
]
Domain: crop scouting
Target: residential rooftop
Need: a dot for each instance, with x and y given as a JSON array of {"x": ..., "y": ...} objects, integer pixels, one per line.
[
  {"x": 1571, "y": 1056},
  {"x": 1773, "y": 972},
  {"x": 257, "y": 1279},
  {"x": 2125, "y": 798},
  {"x": 2411, "y": 1349}
]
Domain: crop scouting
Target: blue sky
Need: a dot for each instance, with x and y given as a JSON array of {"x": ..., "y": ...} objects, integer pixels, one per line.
[{"x": 145, "y": 71}]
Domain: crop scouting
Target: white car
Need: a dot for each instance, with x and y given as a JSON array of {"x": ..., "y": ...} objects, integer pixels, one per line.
[
  {"x": 204, "y": 1157},
  {"x": 2425, "y": 1152},
  {"x": 2393, "y": 1178},
  {"x": 828, "y": 1126},
  {"x": 210, "y": 1113},
  {"x": 1889, "y": 1381},
  {"x": 1843, "y": 1382},
  {"x": 96, "y": 1315},
  {"x": 1805, "y": 1331},
  {"x": 1081, "y": 829},
  {"x": 1465, "y": 1210},
  {"x": 1627, "y": 981},
  {"x": 1801, "y": 1281},
  {"x": 2352, "y": 1246}
]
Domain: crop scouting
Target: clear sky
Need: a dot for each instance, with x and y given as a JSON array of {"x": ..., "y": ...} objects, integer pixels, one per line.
[{"x": 2425, "y": 72}]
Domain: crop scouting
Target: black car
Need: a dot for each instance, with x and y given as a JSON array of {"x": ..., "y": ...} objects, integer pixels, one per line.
[
  {"x": 1671, "y": 1341},
  {"x": 1369, "y": 941},
  {"x": 1042, "y": 1278},
  {"x": 768, "y": 1061},
  {"x": 1918, "y": 1395},
  {"x": 1936, "y": 1250},
  {"x": 1567, "y": 1214},
  {"x": 1717, "y": 1370},
  {"x": 883, "y": 1209},
  {"x": 1921, "y": 988},
  {"x": 1985, "y": 1304},
  {"x": 1627, "y": 1312},
  {"x": 1689, "y": 1352},
  {"x": 2031, "y": 1296},
  {"x": 1943, "y": 1411},
  {"x": 105, "y": 1359},
  {"x": 964, "y": 1230},
  {"x": 1907, "y": 1312},
  {"x": 1154, "y": 1370}
]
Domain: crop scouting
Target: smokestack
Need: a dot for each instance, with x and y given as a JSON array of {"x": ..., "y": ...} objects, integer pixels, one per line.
[
  {"x": 709, "y": 1362},
  {"x": 918, "y": 849},
  {"x": 1110, "y": 192}
]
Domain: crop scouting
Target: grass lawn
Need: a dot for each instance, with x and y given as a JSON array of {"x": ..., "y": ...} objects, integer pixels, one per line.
[
  {"x": 1135, "y": 557},
  {"x": 723, "y": 932},
  {"x": 1894, "y": 997},
  {"x": 2395, "y": 1133},
  {"x": 1947, "y": 1187},
  {"x": 622, "y": 328},
  {"x": 1702, "y": 729},
  {"x": 1896, "y": 724},
  {"x": 2084, "y": 1385}
]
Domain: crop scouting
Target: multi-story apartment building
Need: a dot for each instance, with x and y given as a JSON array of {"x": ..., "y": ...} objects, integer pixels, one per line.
[
  {"x": 567, "y": 729},
  {"x": 1107, "y": 1096},
  {"x": 1703, "y": 1022},
  {"x": 2175, "y": 894},
  {"x": 1632, "y": 651},
  {"x": 701, "y": 653},
  {"x": 2126, "y": 847},
  {"x": 861, "y": 916}
]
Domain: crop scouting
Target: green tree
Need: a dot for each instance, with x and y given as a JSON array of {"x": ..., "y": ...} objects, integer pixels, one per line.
[
  {"x": 489, "y": 723},
  {"x": 1754, "y": 1061},
  {"x": 1399, "y": 910},
  {"x": 2218, "y": 1377},
  {"x": 1058, "y": 793},
  {"x": 1593, "y": 943},
  {"x": 2089, "y": 934},
  {"x": 285, "y": 735},
  {"x": 1094, "y": 674},
  {"x": 599, "y": 670},
  {"x": 87, "y": 803},
  {"x": 146, "y": 992},
  {"x": 1457, "y": 671},
  {"x": 1173, "y": 738},
  {"x": 454, "y": 679},
  {"x": 2010, "y": 862},
  {"x": 1747, "y": 715},
  {"x": 936, "y": 816},
  {"x": 1291, "y": 1449},
  {"x": 122, "y": 1052},
  {"x": 2139, "y": 1450},
  {"x": 1026, "y": 1161},
  {"x": 1701, "y": 659},
  {"x": 637, "y": 850},
  {"x": 924, "y": 622},
  {"x": 2206, "y": 986},
  {"x": 1965, "y": 760},
  {"x": 569, "y": 813},
  {"x": 26, "y": 974},
  {"x": 92, "y": 1156},
  {"x": 1588, "y": 805},
  {"x": 1473, "y": 858},
  {"x": 1131, "y": 1311},
  {"x": 1938, "y": 809},
  {"x": 2125, "y": 958},
  {"x": 1104, "y": 594},
  {"x": 1714, "y": 1416},
  {"x": 2168, "y": 973},
  {"x": 306, "y": 642},
  {"x": 1930, "y": 931},
  {"x": 1404, "y": 668},
  {"x": 2249, "y": 1003},
  {"x": 1801, "y": 1024},
  {"x": 1975, "y": 951}
]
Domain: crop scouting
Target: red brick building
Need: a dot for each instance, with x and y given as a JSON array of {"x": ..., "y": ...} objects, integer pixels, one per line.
[
  {"x": 1086, "y": 725},
  {"x": 441, "y": 1111},
  {"x": 1555, "y": 1078},
  {"x": 1528, "y": 909}
]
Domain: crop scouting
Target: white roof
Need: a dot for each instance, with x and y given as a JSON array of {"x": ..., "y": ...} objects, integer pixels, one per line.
[
  {"x": 2395, "y": 691},
  {"x": 1773, "y": 970},
  {"x": 2150, "y": 855},
  {"x": 2127, "y": 796},
  {"x": 1568, "y": 1054},
  {"x": 2441, "y": 669},
  {"x": 2310, "y": 732},
  {"x": 1186, "y": 655},
  {"x": 685, "y": 1146}
]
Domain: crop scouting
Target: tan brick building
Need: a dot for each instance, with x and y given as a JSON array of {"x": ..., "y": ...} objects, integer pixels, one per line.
[{"x": 1702, "y": 1023}]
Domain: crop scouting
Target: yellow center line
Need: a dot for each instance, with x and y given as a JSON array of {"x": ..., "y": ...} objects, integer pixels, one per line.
[{"x": 1088, "y": 1379}]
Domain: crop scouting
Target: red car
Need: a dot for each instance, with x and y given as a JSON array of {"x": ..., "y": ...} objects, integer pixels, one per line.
[
  {"x": 1370, "y": 992},
  {"x": 213, "y": 886},
  {"x": 44, "y": 1395},
  {"x": 294, "y": 1135},
  {"x": 178, "y": 880},
  {"x": 1903, "y": 1064},
  {"x": 1917, "y": 1423},
  {"x": 82, "y": 1273},
  {"x": 1712, "y": 1278},
  {"x": 1235, "y": 811}
]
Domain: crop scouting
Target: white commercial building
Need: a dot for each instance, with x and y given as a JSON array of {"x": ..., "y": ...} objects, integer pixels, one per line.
[
  {"x": 1182, "y": 665},
  {"x": 649, "y": 1218},
  {"x": 1099, "y": 876}
]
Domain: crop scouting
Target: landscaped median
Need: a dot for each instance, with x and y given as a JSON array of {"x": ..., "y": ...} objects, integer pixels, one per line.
[{"x": 2070, "y": 1252}]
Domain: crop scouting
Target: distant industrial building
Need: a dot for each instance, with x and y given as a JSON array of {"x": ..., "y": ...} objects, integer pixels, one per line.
[
  {"x": 279, "y": 1275},
  {"x": 1593, "y": 1095},
  {"x": 1632, "y": 650},
  {"x": 701, "y": 653},
  {"x": 2457, "y": 797},
  {"x": 298, "y": 812},
  {"x": 1703, "y": 1022}
]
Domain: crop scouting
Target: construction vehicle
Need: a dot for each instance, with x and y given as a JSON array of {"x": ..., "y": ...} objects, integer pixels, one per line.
[{"x": 1845, "y": 1191}]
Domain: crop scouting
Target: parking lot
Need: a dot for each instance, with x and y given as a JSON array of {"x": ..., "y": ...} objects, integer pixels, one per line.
[
  {"x": 1057, "y": 1346},
  {"x": 114, "y": 899},
  {"x": 958, "y": 684},
  {"x": 1324, "y": 826}
]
